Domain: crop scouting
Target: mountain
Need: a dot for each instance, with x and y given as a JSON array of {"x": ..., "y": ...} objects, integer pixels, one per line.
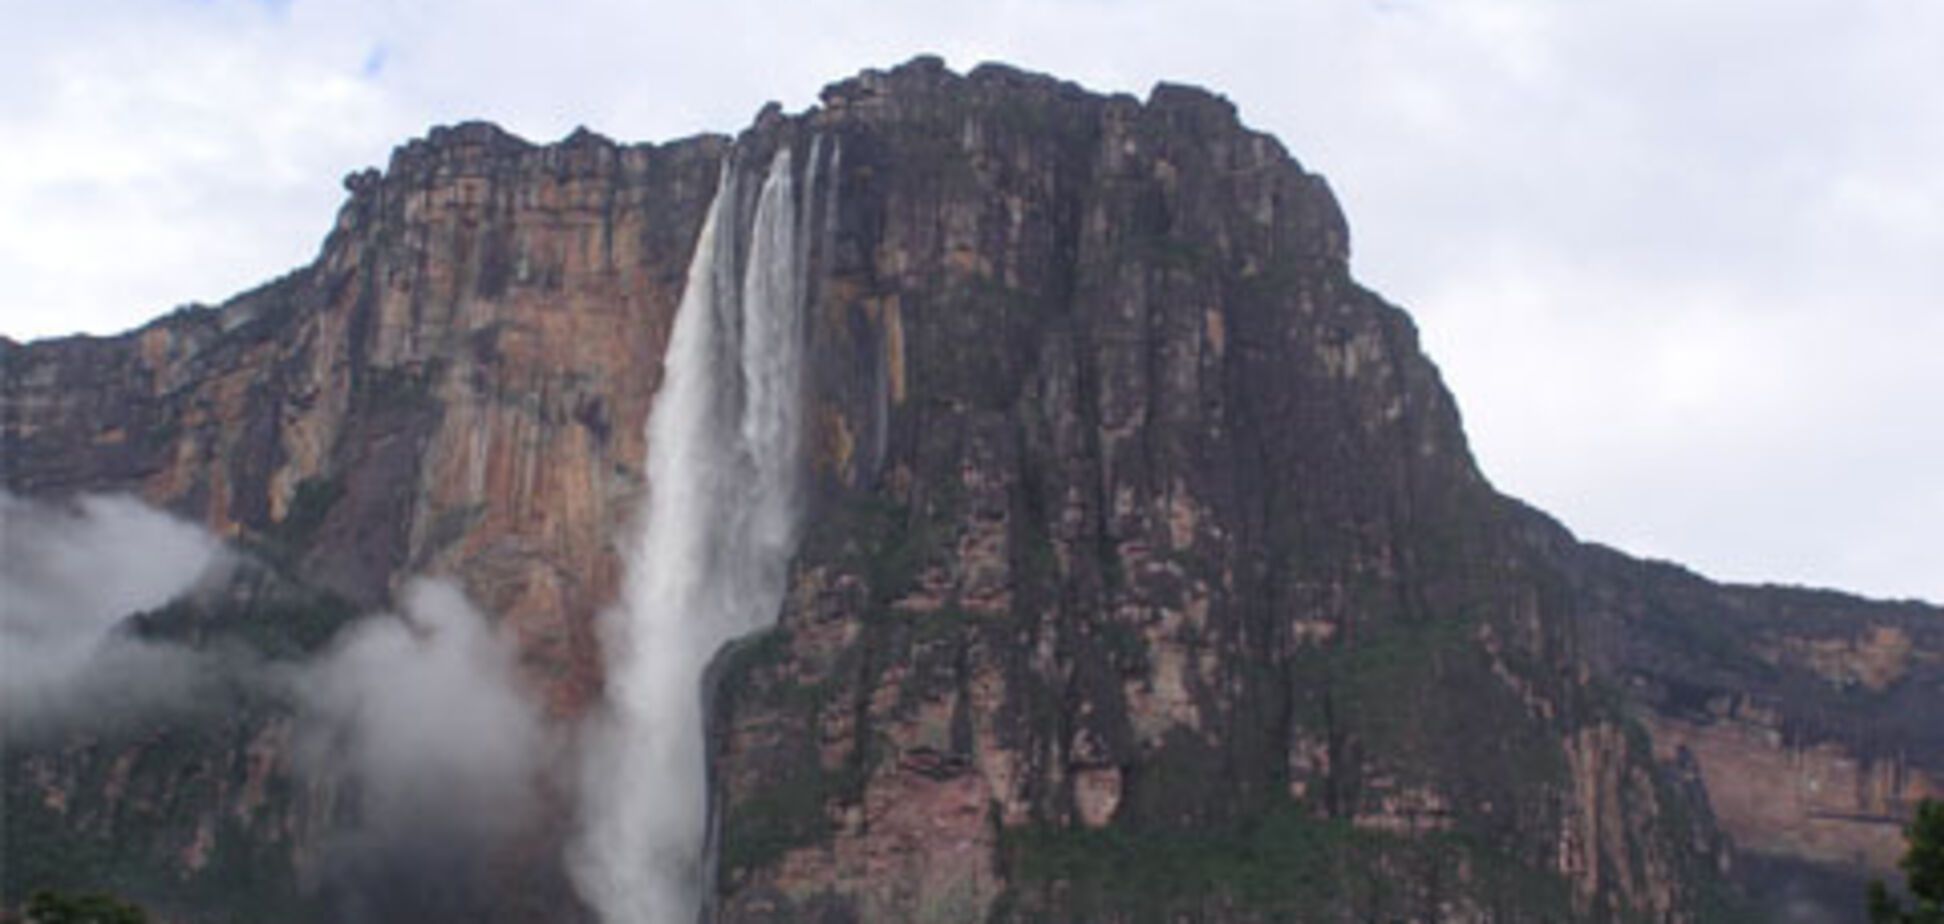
[{"x": 1144, "y": 572}]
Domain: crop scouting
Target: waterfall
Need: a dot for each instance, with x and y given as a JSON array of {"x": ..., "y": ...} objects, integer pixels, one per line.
[{"x": 713, "y": 550}]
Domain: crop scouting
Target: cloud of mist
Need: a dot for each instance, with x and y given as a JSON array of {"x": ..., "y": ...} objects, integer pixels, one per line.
[
  {"x": 412, "y": 724},
  {"x": 418, "y": 719},
  {"x": 70, "y": 574},
  {"x": 422, "y": 711}
]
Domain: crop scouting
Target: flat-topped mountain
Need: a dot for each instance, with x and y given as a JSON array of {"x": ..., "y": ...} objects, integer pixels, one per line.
[{"x": 1142, "y": 571}]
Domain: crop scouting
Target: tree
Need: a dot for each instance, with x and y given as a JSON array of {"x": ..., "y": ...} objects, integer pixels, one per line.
[
  {"x": 48, "y": 907},
  {"x": 1923, "y": 866}
]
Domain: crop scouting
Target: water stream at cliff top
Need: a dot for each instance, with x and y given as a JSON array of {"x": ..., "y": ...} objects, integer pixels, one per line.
[{"x": 712, "y": 554}]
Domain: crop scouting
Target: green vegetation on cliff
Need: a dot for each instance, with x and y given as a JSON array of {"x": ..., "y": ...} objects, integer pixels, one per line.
[
  {"x": 50, "y": 907},
  {"x": 1287, "y": 864},
  {"x": 1923, "y": 866}
]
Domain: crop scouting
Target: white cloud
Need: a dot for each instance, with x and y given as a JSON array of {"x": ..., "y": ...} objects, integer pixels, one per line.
[
  {"x": 1678, "y": 261},
  {"x": 423, "y": 700},
  {"x": 69, "y": 576},
  {"x": 424, "y": 714},
  {"x": 417, "y": 722}
]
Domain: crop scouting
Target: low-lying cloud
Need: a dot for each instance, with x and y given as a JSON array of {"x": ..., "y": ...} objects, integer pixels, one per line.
[
  {"x": 70, "y": 576},
  {"x": 422, "y": 708},
  {"x": 418, "y": 717},
  {"x": 411, "y": 724}
]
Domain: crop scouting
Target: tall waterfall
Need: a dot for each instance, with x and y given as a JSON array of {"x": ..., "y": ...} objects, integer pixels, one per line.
[{"x": 711, "y": 557}]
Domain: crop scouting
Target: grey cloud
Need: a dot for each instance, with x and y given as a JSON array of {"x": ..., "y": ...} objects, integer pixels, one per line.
[
  {"x": 417, "y": 720},
  {"x": 421, "y": 708},
  {"x": 70, "y": 574},
  {"x": 414, "y": 722},
  {"x": 422, "y": 712}
]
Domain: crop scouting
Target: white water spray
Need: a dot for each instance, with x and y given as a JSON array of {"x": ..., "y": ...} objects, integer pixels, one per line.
[{"x": 713, "y": 552}]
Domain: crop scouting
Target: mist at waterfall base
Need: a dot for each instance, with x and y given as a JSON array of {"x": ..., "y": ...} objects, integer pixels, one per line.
[{"x": 710, "y": 561}]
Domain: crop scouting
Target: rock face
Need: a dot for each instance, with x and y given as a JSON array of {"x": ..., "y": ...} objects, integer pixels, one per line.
[
  {"x": 1147, "y": 574},
  {"x": 1811, "y": 717}
]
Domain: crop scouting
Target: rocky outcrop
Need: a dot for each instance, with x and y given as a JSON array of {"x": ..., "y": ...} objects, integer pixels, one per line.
[
  {"x": 1147, "y": 573},
  {"x": 1811, "y": 717}
]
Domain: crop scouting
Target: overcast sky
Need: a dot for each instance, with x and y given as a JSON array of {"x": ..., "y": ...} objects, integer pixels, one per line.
[{"x": 1683, "y": 263}]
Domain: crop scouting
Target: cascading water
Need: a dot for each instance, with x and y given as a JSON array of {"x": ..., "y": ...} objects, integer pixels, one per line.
[{"x": 713, "y": 551}]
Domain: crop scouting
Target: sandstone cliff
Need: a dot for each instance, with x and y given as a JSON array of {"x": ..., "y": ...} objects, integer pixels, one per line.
[{"x": 1147, "y": 573}]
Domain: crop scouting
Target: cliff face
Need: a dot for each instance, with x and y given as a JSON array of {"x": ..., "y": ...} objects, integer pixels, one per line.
[
  {"x": 1146, "y": 572},
  {"x": 1811, "y": 717},
  {"x": 1145, "y": 527}
]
